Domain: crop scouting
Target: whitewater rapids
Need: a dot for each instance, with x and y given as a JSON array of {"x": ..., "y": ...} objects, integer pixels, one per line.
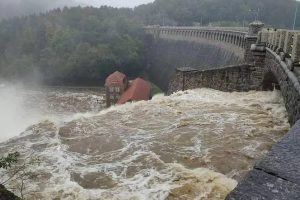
[{"x": 195, "y": 144}]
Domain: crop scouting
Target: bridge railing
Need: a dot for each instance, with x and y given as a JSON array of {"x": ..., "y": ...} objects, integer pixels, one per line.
[
  {"x": 234, "y": 36},
  {"x": 285, "y": 43}
]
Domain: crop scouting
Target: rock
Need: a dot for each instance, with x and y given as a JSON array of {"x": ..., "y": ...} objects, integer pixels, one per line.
[
  {"x": 7, "y": 195},
  {"x": 284, "y": 158},
  {"x": 259, "y": 185},
  {"x": 277, "y": 176}
]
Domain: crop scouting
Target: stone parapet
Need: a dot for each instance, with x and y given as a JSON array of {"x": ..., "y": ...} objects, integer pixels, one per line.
[
  {"x": 242, "y": 77},
  {"x": 234, "y": 36}
]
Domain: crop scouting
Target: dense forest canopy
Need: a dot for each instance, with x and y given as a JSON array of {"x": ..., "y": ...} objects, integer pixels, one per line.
[
  {"x": 12, "y": 8},
  {"x": 278, "y": 13},
  {"x": 84, "y": 45},
  {"x": 76, "y": 44}
]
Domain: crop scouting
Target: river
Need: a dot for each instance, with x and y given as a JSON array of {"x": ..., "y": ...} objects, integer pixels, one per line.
[{"x": 195, "y": 144}]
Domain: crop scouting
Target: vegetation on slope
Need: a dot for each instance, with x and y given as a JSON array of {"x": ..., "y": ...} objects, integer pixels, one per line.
[
  {"x": 231, "y": 12},
  {"x": 83, "y": 45},
  {"x": 71, "y": 45}
]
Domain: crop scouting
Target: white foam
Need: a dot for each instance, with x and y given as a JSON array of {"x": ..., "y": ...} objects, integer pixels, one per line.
[{"x": 189, "y": 125}]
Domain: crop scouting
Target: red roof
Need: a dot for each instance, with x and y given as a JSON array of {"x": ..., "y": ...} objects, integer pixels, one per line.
[
  {"x": 115, "y": 78},
  {"x": 138, "y": 90}
]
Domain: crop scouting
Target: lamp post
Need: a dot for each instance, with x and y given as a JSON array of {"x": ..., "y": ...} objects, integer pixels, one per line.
[
  {"x": 255, "y": 13},
  {"x": 296, "y": 13}
]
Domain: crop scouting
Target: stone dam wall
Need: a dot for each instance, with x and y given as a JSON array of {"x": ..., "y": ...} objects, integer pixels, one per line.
[
  {"x": 288, "y": 82},
  {"x": 240, "y": 78},
  {"x": 265, "y": 71},
  {"x": 271, "y": 60},
  {"x": 164, "y": 54}
]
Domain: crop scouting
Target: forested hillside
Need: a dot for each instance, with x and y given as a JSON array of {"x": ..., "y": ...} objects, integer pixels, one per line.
[
  {"x": 219, "y": 12},
  {"x": 71, "y": 45},
  {"x": 12, "y": 8},
  {"x": 83, "y": 45}
]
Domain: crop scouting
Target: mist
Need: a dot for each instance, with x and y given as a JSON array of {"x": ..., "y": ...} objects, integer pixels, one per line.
[
  {"x": 14, "y": 117},
  {"x": 113, "y": 3},
  {"x": 12, "y": 8}
]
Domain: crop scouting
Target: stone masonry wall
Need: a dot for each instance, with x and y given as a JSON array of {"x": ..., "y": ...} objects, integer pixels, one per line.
[
  {"x": 245, "y": 77},
  {"x": 277, "y": 175},
  {"x": 164, "y": 55},
  {"x": 242, "y": 77},
  {"x": 289, "y": 85}
]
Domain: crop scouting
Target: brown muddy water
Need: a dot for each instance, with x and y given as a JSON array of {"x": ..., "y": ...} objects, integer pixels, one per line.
[{"x": 195, "y": 144}]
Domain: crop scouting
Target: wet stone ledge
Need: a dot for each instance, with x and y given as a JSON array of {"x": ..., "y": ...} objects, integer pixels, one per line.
[{"x": 277, "y": 176}]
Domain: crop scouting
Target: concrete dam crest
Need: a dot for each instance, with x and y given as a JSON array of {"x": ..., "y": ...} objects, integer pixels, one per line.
[{"x": 232, "y": 59}]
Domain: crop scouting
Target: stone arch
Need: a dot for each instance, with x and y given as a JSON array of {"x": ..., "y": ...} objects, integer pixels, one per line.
[
  {"x": 231, "y": 39},
  {"x": 235, "y": 40},
  {"x": 270, "y": 81},
  {"x": 227, "y": 38},
  {"x": 194, "y": 33},
  {"x": 240, "y": 41},
  {"x": 219, "y": 36}
]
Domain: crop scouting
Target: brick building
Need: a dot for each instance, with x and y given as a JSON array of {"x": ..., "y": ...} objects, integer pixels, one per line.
[
  {"x": 115, "y": 85},
  {"x": 119, "y": 90}
]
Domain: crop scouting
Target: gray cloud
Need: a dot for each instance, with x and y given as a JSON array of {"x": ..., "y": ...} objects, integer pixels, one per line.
[
  {"x": 114, "y": 3},
  {"x": 10, "y": 8}
]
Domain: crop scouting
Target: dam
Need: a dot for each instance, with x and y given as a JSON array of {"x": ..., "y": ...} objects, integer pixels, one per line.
[
  {"x": 221, "y": 133},
  {"x": 260, "y": 59}
]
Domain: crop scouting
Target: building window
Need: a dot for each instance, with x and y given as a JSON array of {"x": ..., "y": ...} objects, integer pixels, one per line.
[
  {"x": 112, "y": 97},
  {"x": 111, "y": 89},
  {"x": 117, "y": 89}
]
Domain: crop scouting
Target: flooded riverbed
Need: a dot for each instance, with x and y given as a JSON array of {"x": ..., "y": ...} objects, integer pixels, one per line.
[{"x": 191, "y": 145}]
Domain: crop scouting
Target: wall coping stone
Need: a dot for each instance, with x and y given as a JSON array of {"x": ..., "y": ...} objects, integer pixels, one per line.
[
  {"x": 186, "y": 69},
  {"x": 284, "y": 66}
]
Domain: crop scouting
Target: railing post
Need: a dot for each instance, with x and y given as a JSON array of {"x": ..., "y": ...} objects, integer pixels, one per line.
[
  {"x": 288, "y": 43},
  {"x": 296, "y": 49},
  {"x": 251, "y": 38}
]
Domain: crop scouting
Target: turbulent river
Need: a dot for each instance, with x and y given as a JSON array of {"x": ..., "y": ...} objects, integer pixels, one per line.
[{"x": 195, "y": 144}]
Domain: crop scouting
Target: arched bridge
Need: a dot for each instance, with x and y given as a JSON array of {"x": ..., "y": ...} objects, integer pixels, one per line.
[{"x": 268, "y": 58}]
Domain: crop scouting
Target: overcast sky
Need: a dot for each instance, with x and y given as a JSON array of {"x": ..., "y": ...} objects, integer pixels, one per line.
[
  {"x": 114, "y": 3},
  {"x": 11, "y": 8}
]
